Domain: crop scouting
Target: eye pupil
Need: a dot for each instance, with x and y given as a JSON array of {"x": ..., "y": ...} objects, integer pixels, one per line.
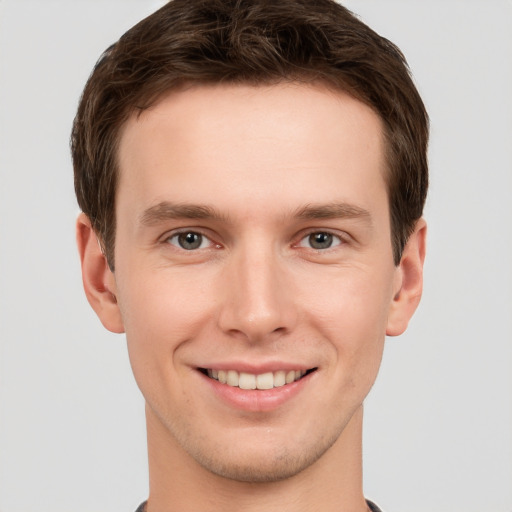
[
  {"x": 190, "y": 240},
  {"x": 320, "y": 240}
]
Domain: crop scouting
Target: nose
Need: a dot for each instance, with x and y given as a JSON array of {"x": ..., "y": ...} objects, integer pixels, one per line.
[{"x": 258, "y": 296}]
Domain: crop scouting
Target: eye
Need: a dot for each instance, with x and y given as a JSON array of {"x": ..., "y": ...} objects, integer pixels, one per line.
[
  {"x": 320, "y": 240},
  {"x": 189, "y": 240}
]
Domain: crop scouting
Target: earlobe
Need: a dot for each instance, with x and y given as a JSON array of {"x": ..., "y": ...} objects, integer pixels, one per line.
[
  {"x": 409, "y": 281},
  {"x": 98, "y": 280}
]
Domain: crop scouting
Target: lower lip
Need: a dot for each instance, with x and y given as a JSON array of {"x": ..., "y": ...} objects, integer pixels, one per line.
[{"x": 255, "y": 400}]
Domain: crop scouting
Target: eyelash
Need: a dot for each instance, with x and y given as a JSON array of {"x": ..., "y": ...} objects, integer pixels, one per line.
[{"x": 333, "y": 238}]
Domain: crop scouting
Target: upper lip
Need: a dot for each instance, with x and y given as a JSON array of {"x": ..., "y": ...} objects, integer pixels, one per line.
[{"x": 256, "y": 368}]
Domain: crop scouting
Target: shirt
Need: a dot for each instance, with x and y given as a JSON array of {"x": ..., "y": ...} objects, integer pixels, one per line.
[{"x": 371, "y": 505}]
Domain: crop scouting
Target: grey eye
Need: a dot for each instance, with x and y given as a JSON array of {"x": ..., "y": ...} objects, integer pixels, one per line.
[
  {"x": 320, "y": 240},
  {"x": 188, "y": 240}
]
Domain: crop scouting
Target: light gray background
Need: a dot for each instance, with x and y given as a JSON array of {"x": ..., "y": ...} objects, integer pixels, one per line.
[{"x": 439, "y": 421}]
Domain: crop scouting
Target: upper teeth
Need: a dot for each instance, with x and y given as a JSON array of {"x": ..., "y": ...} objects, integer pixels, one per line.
[{"x": 267, "y": 380}]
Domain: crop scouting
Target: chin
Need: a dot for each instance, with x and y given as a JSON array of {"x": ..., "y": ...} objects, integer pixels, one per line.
[
  {"x": 251, "y": 471},
  {"x": 258, "y": 465}
]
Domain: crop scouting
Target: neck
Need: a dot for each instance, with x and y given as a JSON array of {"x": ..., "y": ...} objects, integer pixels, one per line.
[{"x": 178, "y": 483}]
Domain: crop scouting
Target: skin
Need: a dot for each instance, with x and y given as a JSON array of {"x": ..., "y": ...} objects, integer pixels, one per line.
[{"x": 260, "y": 169}]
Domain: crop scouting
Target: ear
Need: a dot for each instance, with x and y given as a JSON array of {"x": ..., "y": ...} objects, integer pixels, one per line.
[
  {"x": 98, "y": 280},
  {"x": 408, "y": 281}
]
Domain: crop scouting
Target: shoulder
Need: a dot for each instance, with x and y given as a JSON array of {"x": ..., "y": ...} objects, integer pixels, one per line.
[
  {"x": 142, "y": 507},
  {"x": 371, "y": 506}
]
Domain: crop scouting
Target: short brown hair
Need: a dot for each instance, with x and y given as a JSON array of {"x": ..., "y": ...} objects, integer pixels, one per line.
[{"x": 257, "y": 42}]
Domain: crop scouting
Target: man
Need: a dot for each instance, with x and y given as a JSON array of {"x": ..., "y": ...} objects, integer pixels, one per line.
[{"x": 252, "y": 177}]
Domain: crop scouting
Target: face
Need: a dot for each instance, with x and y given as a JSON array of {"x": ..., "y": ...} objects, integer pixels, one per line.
[{"x": 253, "y": 250}]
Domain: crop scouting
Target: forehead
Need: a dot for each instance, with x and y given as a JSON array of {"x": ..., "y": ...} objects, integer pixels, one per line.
[{"x": 283, "y": 142}]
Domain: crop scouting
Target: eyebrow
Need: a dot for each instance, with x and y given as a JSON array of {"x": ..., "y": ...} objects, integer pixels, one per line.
[
  {"x": 333, "y": 211},
  {"x": 166, "y": 210}
]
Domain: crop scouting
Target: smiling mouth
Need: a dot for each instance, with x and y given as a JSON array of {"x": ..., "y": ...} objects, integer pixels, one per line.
[{"x": 245, "y": 380}]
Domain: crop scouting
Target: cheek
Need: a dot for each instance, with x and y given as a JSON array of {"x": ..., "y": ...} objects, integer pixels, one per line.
[
  {"x": 353, "y": 300},
  {"x": 160, "y": 300},
  {"x": 161, "y": 313},
  {"x": 350, "y": 310}
]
